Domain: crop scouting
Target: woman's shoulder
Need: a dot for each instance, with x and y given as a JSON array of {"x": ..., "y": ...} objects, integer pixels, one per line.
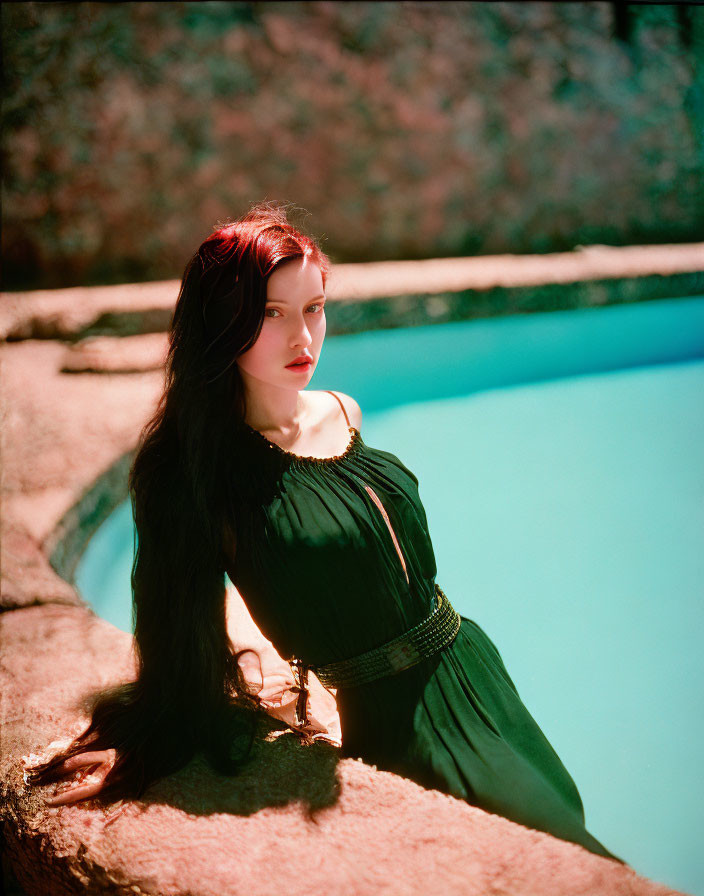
[{"x": 352, "y": 408}]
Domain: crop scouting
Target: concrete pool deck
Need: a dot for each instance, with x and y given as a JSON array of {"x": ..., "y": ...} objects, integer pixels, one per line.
[{"x": 72, "y": 408}]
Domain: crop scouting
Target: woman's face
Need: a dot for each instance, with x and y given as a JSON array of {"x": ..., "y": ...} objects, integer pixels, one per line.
[{"x": 293, "y": 328}]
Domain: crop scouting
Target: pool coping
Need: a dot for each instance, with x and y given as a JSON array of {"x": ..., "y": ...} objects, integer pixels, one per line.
[{"x": 389, "y": 294}]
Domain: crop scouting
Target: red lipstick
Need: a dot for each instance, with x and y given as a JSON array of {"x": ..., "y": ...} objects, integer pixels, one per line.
[{"x": 300, "y": 364}]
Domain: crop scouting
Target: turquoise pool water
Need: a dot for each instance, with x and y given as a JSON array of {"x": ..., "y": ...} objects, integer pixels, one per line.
[{"x": 561, "y": 462}]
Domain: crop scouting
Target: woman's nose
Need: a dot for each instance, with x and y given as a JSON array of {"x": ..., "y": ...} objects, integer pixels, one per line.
[{"x": 301, "y": 333}]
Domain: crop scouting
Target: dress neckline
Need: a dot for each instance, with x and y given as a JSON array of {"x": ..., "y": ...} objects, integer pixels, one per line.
[{"x": 305, "y": 459}]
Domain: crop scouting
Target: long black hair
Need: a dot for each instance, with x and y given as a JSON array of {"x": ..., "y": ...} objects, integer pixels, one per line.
[{"x": 190, "y": 694}]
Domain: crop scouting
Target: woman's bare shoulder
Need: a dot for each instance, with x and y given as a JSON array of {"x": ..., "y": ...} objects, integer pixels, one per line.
[{"x": 354, "y": 412}]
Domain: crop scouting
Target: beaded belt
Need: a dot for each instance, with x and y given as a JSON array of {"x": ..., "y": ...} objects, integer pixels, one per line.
[{"x": 432, "y": 634}]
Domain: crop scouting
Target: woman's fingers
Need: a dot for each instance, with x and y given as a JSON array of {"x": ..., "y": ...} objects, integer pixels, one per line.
[
  {"x": 276, "y": 684},
  {"x": 83, "y": 791},
  {"x": 88, "y": 787},
  {"x": 270, "y": 684},
  {"x": 259, "y": 669},
  {"x": 278, "y": 696},
  {"x": 92, "y": 768},
  {"x": 81, "y": 760}
]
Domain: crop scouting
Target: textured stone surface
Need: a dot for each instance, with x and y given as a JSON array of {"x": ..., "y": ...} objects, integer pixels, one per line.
[
  {"x": 61, "y": 313},
  {"x": 27, "y": 576},
  {"x": 62, "y": 432},
  {"x": 128, "y": 354},
  {"x": 296, "y": 820}
]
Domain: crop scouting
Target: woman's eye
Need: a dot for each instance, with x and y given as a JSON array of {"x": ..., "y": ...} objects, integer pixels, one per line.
[{"x": 316, "y": 308}]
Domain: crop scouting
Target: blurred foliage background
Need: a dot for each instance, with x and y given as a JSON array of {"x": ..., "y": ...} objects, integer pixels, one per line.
[{"x": 406, "y": 129}]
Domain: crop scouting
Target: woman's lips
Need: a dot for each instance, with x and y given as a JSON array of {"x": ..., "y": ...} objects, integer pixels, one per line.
[{"x": 300, "y": 366}]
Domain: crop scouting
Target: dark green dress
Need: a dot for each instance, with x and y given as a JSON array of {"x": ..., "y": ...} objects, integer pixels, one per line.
[{"x": 334, "y": 558}]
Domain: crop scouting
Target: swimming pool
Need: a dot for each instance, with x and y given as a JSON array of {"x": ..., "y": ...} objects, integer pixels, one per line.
[{"x": 560, "y": 461}]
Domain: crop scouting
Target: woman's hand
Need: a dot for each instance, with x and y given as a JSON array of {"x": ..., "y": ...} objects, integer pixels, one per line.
[
  {"x": 271, "y": 679},
  {"x": 88, "y": 772},
  {"x": 267, "y": 675}
]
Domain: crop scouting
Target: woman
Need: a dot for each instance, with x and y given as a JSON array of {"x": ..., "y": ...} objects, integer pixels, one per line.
[{"x": 244, "y": 471}]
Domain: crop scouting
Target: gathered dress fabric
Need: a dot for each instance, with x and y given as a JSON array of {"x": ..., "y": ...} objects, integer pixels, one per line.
[{"x": 333, "y": 558}]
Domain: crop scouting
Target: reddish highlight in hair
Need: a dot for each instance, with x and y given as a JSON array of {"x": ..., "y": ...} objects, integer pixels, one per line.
[{"x": 265, "y": 236}]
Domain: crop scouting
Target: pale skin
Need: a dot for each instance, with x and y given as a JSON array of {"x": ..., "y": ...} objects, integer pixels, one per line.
[
  {"x": 300, "y": 421},
  {"x": 303, "y": 422}
]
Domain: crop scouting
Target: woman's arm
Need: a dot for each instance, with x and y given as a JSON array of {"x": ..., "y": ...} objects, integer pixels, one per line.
[
  {"x": 267, "y": 674},
  {"x": 271, "y": 678},
  {"x": 241, "y": 628}
]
